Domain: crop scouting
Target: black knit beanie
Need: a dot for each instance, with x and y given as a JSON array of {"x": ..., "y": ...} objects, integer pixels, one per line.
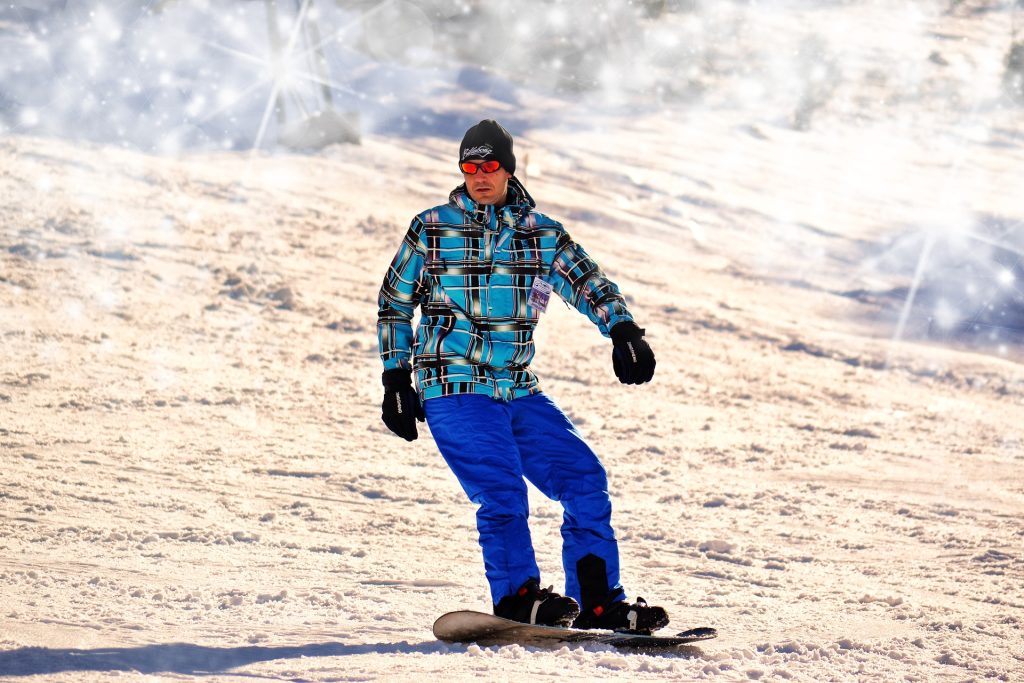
[{"x": 488, "y": 140}]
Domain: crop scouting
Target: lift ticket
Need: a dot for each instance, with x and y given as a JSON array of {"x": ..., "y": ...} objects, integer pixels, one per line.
[{"x": 540, "y": 293}]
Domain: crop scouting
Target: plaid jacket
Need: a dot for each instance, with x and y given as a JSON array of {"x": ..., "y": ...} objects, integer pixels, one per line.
[{"x": 470, "y": 269}]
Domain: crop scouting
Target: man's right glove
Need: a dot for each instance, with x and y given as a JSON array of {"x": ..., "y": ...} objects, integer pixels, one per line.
[
  {"x": 632, "y": 357},
  {"x": 401, "y": 407}
]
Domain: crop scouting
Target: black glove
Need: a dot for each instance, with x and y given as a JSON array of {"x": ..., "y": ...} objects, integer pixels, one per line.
[
  {"x": 632, "y": 357},
  {"x": 401, "y": 407}
]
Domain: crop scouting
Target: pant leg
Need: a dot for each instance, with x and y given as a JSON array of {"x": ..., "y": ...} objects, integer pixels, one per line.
[
  {"x": 559, "y": 462},
  {"x": 474, "y": 435}
]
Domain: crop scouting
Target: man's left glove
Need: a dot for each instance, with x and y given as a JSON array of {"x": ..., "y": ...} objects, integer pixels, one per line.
[
  {"x": 632, "y": 357},
  {"x": 401, "y": 407}
]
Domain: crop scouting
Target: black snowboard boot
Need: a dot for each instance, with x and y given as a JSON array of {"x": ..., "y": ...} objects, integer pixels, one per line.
[
  {"x": 604, "y": 607},
  {"x": 621, "y": 616},
  {"x": 533, "y": 605}
]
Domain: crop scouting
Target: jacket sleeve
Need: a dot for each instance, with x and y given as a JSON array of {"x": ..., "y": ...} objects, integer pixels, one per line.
[
  {"x": 580, "y": 281},
  {"x": 399, "y": 295}
]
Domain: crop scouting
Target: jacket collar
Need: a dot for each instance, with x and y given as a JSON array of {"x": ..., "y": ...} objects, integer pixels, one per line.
[{"x": 519, "y": 202}]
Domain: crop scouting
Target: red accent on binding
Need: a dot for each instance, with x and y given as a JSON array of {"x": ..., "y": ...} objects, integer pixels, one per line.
[
  {"x": 598, "y": 611},
  {"x": 522, "y": 591}
]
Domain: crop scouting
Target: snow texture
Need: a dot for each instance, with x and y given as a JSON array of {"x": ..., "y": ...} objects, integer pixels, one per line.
[{"x": 814, "y": 209}]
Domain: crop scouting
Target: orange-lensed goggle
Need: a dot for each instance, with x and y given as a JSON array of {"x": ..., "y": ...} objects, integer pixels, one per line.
[{"x": 471, "y": 167}]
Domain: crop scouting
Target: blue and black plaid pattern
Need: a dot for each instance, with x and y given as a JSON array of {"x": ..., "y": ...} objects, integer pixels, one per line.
[{"x": 470, "y": 269}]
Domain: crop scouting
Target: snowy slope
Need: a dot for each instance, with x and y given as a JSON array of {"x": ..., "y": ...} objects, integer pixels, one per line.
[{"x": 196, "y": 483}]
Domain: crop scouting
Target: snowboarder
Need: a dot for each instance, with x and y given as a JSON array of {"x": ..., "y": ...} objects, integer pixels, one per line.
[{"x": 481, "y": 269}]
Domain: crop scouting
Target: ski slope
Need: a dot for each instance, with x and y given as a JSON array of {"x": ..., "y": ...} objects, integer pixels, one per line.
[{"x": 196, "y": 483}]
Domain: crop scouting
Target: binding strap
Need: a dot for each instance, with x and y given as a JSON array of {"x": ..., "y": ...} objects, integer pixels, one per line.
[{"x": 533, "y": 612}]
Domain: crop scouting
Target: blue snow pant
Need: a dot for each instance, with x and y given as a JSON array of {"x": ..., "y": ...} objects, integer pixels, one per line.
[{"x": 490, "y": 445}]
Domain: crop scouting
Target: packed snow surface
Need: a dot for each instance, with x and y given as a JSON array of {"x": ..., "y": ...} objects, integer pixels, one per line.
[{"x": 827, "y": 467}]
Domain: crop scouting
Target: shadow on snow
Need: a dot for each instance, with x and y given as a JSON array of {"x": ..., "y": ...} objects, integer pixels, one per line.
[
  {"x": 183, "y": 658},
  {"x": 197, "y": 660}
]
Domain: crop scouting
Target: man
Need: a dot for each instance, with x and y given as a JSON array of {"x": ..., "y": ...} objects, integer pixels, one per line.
[{"x": 481, "y": 268}]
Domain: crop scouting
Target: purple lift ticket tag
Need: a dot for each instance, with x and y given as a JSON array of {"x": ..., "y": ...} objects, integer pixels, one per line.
[{"x": 539, "y": 294}]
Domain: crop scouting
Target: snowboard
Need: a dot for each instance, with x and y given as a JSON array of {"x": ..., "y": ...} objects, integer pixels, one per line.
[{"x": 487, "y": 629}]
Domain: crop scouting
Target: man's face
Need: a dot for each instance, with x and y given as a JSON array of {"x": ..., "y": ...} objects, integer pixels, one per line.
[{"x": 486, "y": 188}]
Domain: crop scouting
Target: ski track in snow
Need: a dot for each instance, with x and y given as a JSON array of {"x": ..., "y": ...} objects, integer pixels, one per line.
[{"x": 196, "y": 482}]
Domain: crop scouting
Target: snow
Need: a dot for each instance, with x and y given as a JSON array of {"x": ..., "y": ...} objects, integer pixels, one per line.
[{"x": 827, "y": 466}]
